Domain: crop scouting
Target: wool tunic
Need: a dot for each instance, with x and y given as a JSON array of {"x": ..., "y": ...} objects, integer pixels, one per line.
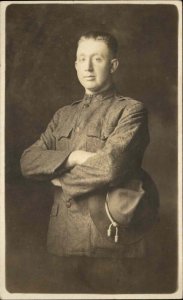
[{"x": 116, "y": 129}]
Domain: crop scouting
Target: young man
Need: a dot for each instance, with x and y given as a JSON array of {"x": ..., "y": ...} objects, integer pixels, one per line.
[{"x": 92, "y": 152}]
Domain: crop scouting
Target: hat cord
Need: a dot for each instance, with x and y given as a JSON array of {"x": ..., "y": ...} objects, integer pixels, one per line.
[{"x": 113, "y": 223}]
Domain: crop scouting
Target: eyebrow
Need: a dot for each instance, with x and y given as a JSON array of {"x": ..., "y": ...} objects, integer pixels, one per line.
[{"x": 83, "y": 54}]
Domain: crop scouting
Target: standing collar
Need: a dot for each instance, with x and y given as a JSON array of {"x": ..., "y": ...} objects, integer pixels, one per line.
[
  {"x": 100, "y": 96},
  {"x": 110, "y": 92}
]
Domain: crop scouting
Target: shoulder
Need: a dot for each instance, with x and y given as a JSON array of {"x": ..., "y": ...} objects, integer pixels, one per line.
[
  {"x": 127, "y": 105},
  {"x": 129, "y": 102},
  {"x": 66, "y": 110}
]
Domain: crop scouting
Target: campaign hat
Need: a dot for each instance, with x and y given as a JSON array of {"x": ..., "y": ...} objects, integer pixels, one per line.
[{"x": 126, "y": 213}]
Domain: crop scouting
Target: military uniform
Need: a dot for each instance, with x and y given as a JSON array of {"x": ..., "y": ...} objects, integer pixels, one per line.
[{"x": 115, "y": 128}]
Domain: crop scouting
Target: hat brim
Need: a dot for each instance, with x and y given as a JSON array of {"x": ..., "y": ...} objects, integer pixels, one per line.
[
  {"x": 127, "y": 235},
  {"x": 145, "y": 216}
]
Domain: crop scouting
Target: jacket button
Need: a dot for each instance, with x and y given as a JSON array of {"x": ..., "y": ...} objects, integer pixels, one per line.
[
  {"x": 77, "y": 129},
  {"x": 99, "y": 97},
  {"x": 68, "y": 203},
  {"x": 86, "y": 105}
]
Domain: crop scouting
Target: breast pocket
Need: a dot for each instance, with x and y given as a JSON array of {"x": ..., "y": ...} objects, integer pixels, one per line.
[
  {"x": 95, "y": 139},
  {"x": 63, "y": 138}
]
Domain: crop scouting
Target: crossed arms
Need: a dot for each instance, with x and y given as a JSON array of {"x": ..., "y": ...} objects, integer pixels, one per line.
[
  {"x": 77, "y": 157},
  {"x": 80, "y": 172}
]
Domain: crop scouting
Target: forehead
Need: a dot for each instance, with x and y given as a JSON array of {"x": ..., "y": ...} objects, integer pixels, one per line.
[{"x": 91, "y": 46}]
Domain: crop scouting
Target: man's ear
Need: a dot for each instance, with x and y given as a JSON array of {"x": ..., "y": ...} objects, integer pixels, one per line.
[
  {"x": 76, "y": 65},
  {"x": 114, "y": 65}
]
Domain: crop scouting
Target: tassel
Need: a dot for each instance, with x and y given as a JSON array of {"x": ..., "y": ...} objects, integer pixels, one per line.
[
  {"x": 113, "y": 223},
  {"x": 109, "y": 230},
  {"x": 116, "y": 235}
]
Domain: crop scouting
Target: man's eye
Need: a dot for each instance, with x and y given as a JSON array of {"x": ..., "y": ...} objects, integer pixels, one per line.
[
  {"x": 82, "y": 59},
  {"x": 98, "y": 59}
]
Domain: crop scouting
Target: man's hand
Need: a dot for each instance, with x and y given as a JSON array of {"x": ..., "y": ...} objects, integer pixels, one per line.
[
  {"x": 78, "y": 157},
  {"x": 56, "y": 182}
]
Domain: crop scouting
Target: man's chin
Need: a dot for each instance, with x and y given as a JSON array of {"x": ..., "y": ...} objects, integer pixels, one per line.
[{"x": 93, "y": 88}]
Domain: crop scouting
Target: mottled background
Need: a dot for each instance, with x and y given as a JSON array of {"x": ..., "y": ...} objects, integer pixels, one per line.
[{"x": 40, "y": 78}]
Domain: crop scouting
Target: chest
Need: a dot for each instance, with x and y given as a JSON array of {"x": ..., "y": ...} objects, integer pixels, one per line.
[{"x": 87, "y": 128}]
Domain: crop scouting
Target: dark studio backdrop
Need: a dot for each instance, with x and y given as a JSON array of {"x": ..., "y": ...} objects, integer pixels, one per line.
[{"x": 40, "y": 78}]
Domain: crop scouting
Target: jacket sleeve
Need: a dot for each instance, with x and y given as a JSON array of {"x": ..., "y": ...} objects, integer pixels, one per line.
[
  {"x": 121, "y": 155},
  {"x": 42, "y": 161}
]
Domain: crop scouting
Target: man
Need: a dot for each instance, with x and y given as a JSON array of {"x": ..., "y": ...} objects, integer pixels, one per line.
[{"x": 89, "y": 149}]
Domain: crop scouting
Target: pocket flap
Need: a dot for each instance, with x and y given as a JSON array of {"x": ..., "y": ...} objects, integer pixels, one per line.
[
  {"x": 107, "y": 131},
  {"x": 63, "y": 131},
  {"x": 94, "y": 131}
]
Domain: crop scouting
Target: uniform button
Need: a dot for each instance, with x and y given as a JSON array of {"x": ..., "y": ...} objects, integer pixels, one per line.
[
  {"x": 68, "y": 203},
  {"x": 77, "y": 129},
  {"x": 86, "y": 105},
  {"x": 99, "y": 97}
]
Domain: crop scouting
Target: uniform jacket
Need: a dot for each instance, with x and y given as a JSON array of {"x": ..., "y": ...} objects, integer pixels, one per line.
[{"x": 115, "y": 128}]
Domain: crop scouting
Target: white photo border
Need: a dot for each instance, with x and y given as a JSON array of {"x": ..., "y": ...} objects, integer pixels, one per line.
[{"x": 4, "y": 294}]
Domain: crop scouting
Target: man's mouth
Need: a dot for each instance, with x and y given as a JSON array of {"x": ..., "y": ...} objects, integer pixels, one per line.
[{"x": 90, "y": 77}]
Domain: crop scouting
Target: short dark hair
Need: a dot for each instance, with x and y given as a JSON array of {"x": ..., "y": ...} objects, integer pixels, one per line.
[{"x": 108, "y": 38}]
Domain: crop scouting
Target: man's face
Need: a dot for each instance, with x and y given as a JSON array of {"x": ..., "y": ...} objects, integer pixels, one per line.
[{"x": 94, "y": 65}]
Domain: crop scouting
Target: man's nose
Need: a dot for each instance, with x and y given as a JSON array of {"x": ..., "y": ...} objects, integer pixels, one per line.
[{"x": 89, "y": 65}]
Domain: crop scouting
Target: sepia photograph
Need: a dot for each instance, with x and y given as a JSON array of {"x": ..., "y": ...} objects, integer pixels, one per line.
[{"x": 92, "y": 140}]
